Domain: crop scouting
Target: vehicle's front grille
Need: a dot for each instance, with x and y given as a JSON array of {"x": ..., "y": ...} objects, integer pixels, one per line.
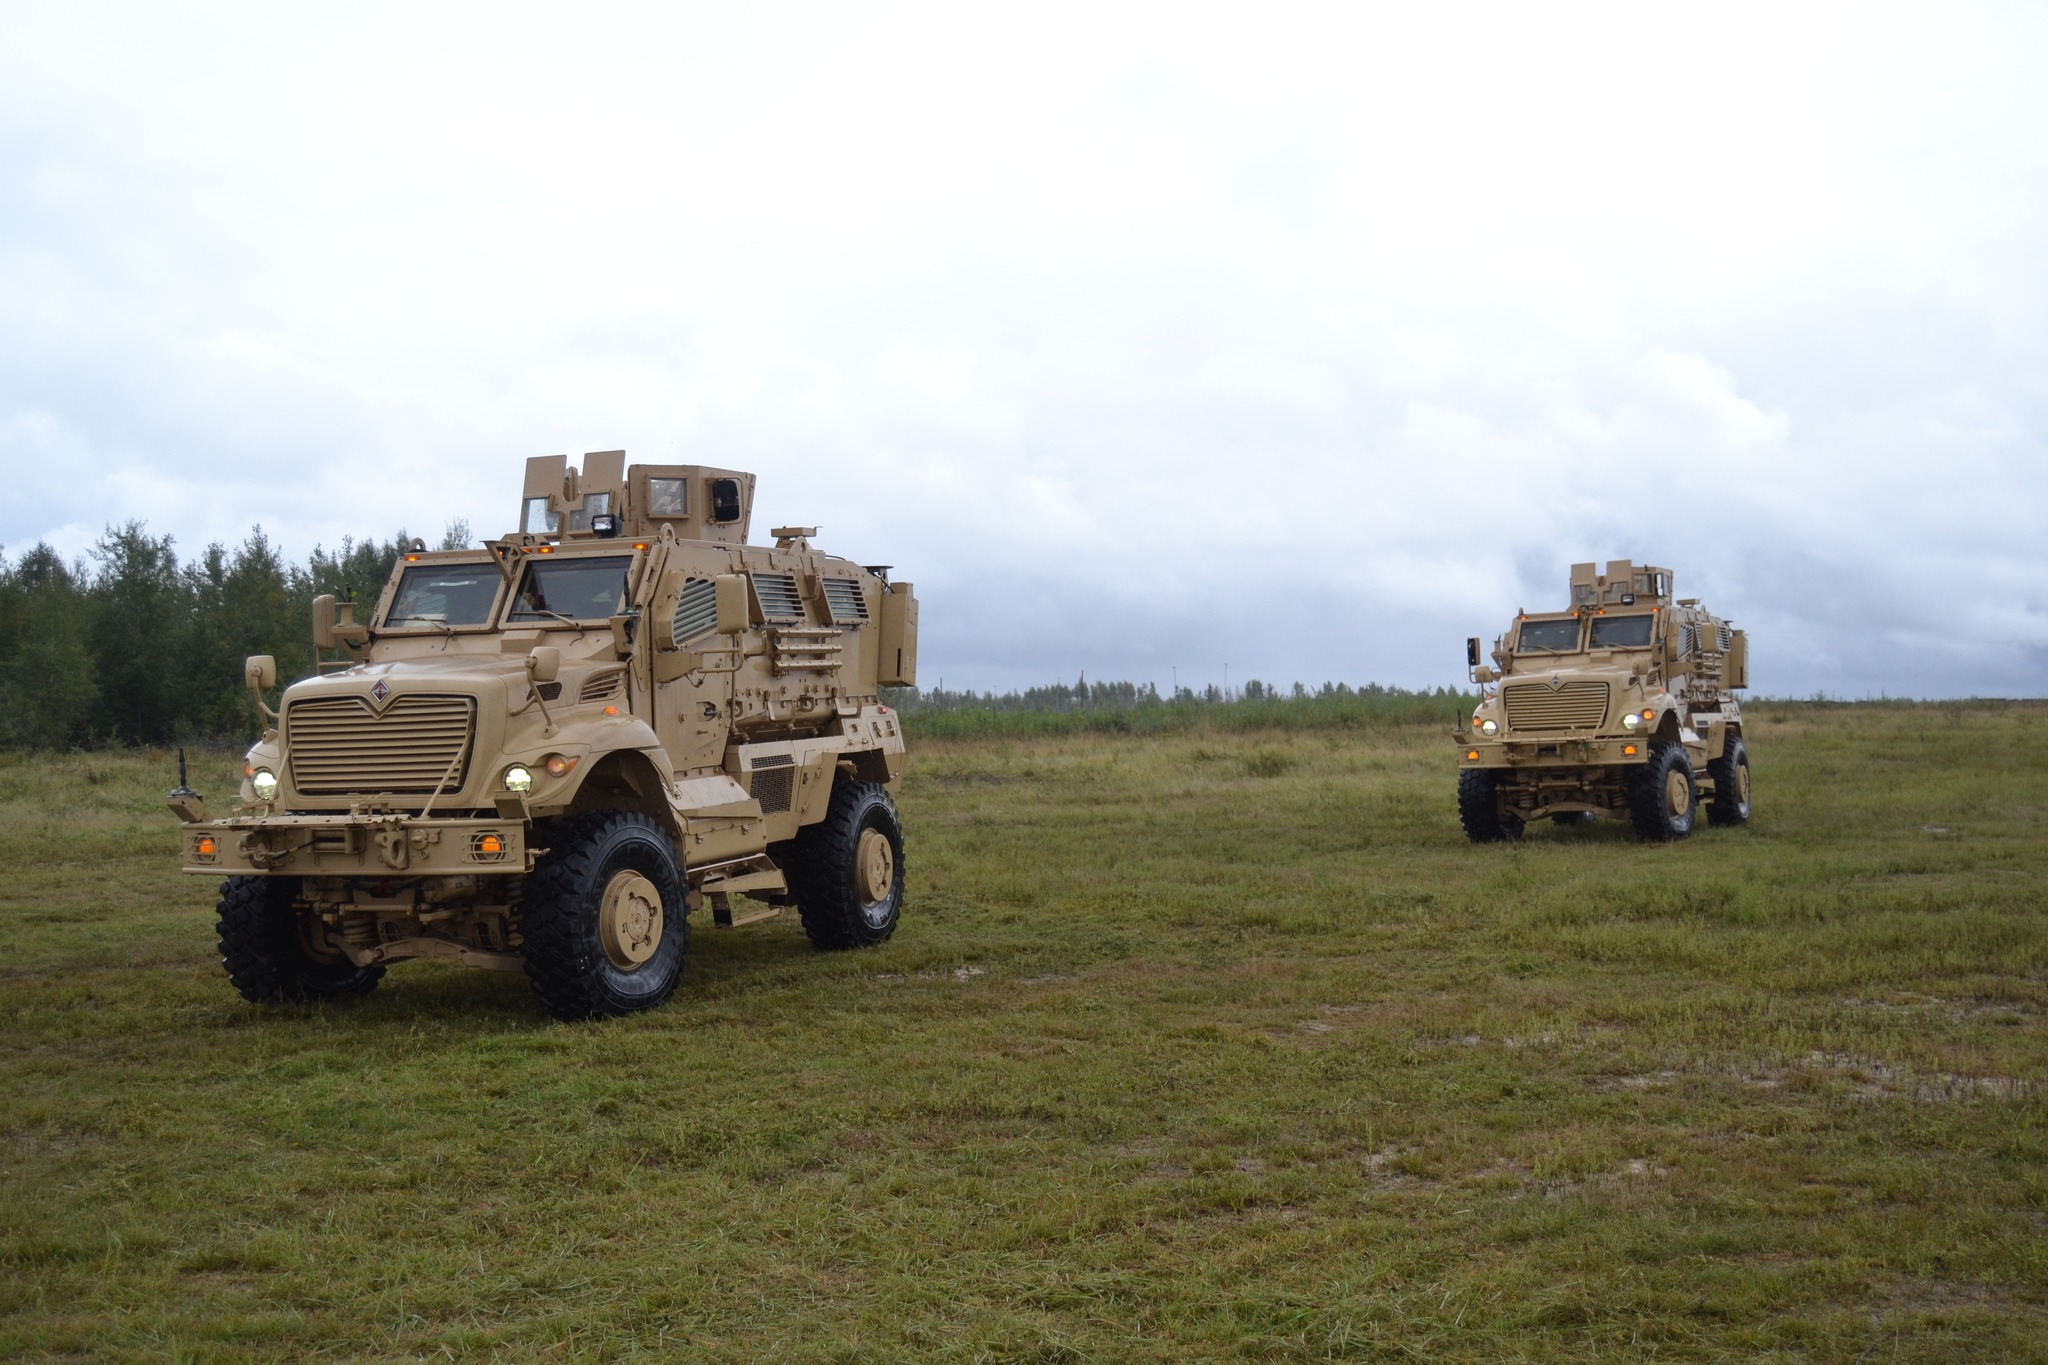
[
  {"x": 1569, "y": 706},
  {"x": 340, "y": 746}
]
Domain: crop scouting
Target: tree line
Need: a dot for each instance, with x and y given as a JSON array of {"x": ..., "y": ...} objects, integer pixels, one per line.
[
  {"x": 1140, "y": 708},
  {"x": 128, "y": 645}
]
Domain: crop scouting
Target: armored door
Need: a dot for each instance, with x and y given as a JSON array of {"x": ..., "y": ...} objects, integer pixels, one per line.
[{"x": 692, "y": 671}]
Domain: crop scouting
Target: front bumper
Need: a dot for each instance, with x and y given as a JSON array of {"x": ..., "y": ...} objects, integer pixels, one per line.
[
  {"x": 1474, "y": 752},
  {"x": 355, "y": 845}
]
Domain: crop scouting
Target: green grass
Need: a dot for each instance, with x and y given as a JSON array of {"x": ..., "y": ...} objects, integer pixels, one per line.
[{"x": 1208, "y": 1045}]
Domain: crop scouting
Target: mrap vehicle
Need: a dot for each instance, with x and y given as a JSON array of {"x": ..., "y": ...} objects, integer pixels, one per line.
[
  {"x": 543, "y": 755},
  {"x": 1622, "y": 705}
]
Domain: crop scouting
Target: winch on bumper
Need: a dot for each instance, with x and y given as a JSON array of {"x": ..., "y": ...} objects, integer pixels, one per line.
[{"x": 357, "y": 843}]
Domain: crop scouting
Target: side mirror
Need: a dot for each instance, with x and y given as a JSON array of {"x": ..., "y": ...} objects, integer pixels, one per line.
[
  {"x": 544, "y": 663},
  {"x": 323, "y": 621},
  {"x": 735, "y": 612},
  {"x": 1472, "y": 651},
  {"x": 260, "y": 672}
]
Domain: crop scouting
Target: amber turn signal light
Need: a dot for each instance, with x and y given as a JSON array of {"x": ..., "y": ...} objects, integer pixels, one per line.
[
  {"x": 1472, "y": 755},
  {"x": 558, "y": 766},
  {"x": 206, "y": 847},
  {"x": 1628, "y": 751},
  {"x": 490, "y": 844}
]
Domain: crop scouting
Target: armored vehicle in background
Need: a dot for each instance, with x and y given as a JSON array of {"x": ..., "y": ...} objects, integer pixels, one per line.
[
  {"x": 544, "y": 755},
  {"x": 1623, "y": 705}
]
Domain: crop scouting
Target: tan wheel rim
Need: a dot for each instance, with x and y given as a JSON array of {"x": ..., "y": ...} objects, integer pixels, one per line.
[
  {"x": 877, "y": 866},
  {"x": 629, "y": 920},
  {"x": 1678, "y": 794},
  {"x": 1742, "y": 783}
]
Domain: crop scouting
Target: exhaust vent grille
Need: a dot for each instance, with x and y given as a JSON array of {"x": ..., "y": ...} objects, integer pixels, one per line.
[
  {"x": 1571, "y": 706},
  {"x": 849, "y": 606},
  {"x": 603, "y": 687},
  {"x": 773, "y": 775},
  {"x": 696, "y": 609},
  {"x": 338, "y": 746},
  {"x": 777, "y": 595}
]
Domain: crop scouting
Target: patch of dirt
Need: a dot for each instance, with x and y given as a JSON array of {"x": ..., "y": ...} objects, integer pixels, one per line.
[{"x": 1878, "y": 1079}]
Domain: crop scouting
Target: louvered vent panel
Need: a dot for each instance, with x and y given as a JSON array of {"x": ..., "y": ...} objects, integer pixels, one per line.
[
  {"x": 776, "y": 592},
  {"x": 696, "y": 609},
  {"x": 1727, "y": 635},
  {"x": 603, "y": 687},
  {"x": 338, "y": 746},
  {"x": 849, "y": 605},
  {"x": 1574, "y": 706}
]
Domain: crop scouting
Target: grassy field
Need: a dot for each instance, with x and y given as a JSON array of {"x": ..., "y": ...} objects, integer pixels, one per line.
[{"x": 1199, "y": 1046}]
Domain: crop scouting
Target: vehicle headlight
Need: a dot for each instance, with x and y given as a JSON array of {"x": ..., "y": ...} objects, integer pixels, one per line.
[
  {"x": 264, "y": 783},
  {"x": 518, "y": 779},
  {"x": 1489, "y": 726},
  {"x": 1631, "y": 721}
]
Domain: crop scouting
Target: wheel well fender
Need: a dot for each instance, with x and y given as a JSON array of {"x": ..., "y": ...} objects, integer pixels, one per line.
[
  {"x": 866, "y": 765},
  {"x": 625, "y": 779}
]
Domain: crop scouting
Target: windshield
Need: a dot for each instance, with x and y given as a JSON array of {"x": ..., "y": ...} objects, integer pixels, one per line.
[
  {"x": 575, "y": 589},
  {"x": 444, "y": 595},
  {"x": 1550, "y": 637},
  {"x": 1621, "y": 632}
]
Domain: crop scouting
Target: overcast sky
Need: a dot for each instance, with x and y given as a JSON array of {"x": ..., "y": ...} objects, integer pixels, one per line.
[{"x": 1304, "y": 341}]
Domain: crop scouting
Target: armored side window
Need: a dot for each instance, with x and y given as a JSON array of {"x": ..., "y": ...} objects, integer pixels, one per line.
[
  {"x": 594, "y": 505},
  {"x": 776, "y": 595},
  {"x": 696, "y": 608},
  {"x": 668, "y": 497},
  {"x": 725, "y": 500},
  {"x": 848, "y": 605},
  {"x": 539, "y": 520}
]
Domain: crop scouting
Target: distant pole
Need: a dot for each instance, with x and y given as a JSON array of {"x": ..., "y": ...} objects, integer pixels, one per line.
[
  {"x": 1176, "y": 680},
  {"x": 1226, "y": 682}
]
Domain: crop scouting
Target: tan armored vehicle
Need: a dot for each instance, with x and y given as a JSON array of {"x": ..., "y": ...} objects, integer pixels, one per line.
[
  {"x": 1623, "y": 705},
  {"x": 542, "y": 756}
]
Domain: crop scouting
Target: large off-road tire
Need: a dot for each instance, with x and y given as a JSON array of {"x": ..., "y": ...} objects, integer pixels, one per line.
[
  {"x": 273, "y": 954},
  {"x": 1730, "y": 802},
  {"x": 1663, "y": 797},
  {"x": 846, "y": 871},
  {"x": 1479, "y": 808},
  {"x": 604, "y": 921}
]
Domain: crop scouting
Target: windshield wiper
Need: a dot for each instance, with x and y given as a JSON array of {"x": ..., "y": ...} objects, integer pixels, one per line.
[
  {"x": 543, "y": 611},
  {"x": 430, "y": 620}
]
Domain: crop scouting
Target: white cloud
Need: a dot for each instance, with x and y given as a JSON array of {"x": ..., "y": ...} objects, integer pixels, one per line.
[{"x": 1309, "y": 340}]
